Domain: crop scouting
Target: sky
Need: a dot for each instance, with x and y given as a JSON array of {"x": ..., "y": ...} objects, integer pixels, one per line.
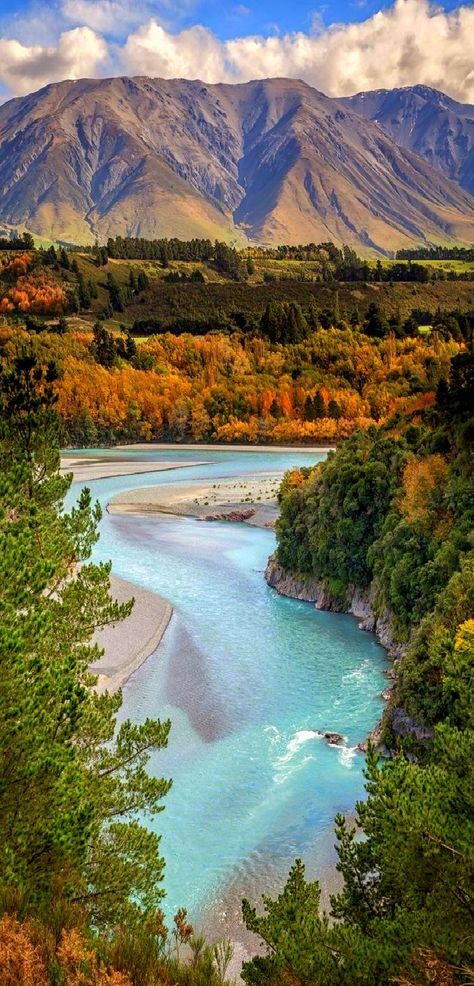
[{"x": 340, "y": 46}]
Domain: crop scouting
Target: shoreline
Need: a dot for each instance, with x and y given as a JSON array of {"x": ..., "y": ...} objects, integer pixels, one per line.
[
  {"x": 223, "y": 919},
  {"x": 89, "y": 468},
  {"x": 128, "y": 644}
]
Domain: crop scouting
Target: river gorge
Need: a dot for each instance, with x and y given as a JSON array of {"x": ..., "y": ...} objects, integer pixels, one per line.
[{"x": 249, "y": 679}]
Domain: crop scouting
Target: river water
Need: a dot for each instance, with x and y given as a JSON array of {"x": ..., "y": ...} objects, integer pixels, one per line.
[{"x": 247, "y": 678}]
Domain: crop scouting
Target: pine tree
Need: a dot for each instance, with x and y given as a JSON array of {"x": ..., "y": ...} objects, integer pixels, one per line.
[
  {"x": 319, "y": 406},
  {"x": 375, "y": 322},
  {"x": 142, "y": 281},
  {"x": 74, "y": 304},
  {"x": 71, "y": 780},
  {"x": 309, "y": 409},
  {"x": 103, "y": 346},
  {"x": 92, "y": 287},
  {"x": 115, "y": 294},
  {"x": 28, "y": 241},
  {"x": 296, "y": 328},
  {"x": 406, "y": 904},
  {"x": 83, "y": 292},
  {"x": 64, "y": 259}
]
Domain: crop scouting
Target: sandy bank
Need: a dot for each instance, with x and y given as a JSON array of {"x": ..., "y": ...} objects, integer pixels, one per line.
[
  {"x": 230, "y": 499},
  {"x": 85, "y": 468},
  {"x": 163, "y": 446},
  {"x": 127, "y": 645},
  {"x": 223, "y": 919}
]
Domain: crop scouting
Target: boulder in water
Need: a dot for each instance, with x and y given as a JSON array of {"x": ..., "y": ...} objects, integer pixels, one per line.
[{"x": 334, "y": 739}]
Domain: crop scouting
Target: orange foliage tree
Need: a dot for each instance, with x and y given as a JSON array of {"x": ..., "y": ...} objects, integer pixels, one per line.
[
  {"x": 36, "y": 293},
  {"x": 421, "y": 477}
]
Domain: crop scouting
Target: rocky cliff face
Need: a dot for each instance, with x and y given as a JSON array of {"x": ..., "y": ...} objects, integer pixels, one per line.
[
  {"x": 268, "y": 161},
  {"x": 357, "y": 603},
  {"x": 361, "y": 605}
]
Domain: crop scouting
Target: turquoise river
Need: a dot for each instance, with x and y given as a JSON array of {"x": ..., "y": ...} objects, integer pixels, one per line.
[{"x": 248, "y": 678}]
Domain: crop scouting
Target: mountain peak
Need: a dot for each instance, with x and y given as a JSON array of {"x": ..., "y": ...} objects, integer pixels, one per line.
[{"x": 428, "y": 122}]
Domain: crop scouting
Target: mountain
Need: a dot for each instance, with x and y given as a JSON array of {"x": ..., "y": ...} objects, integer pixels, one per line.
[
  {"x": 427, "y": 122},
  {"x": 268, "y": 161}
]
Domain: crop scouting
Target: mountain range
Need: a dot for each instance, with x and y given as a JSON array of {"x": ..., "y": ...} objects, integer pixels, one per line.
[{"x": 272, "y": 161}]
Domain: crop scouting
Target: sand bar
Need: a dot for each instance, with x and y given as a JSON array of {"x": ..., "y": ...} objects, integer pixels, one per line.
[
  {"x": 176, "y": 446},
  {"x": 221, "y": 500},
  {"x": 87, "y": 468},
  {"x": 128, "y": 644}
]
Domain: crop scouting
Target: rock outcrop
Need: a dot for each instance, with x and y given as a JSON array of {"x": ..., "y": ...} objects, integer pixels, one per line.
[
  {"x": 334, "y": 739},
  {"x": 291, "y": 584},
  {"x": 235, "y": 516},
  {"x": 362, "y": 606},
  {"x": 357, "y": 603}
]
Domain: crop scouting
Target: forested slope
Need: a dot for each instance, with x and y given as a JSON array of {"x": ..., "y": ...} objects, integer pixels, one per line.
[
  {"x": 391, "y": 514},
  {"x": 293, "y": 345}
]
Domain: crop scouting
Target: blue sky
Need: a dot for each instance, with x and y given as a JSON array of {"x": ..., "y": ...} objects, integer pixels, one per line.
[
  {"x": 225, "y": 19},
  {"x": 341, "y": 47}
]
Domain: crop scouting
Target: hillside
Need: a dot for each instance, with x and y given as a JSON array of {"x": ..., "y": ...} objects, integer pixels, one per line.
[
  {"x": 427, "y": 122},
  {"x": 271, "y": 161},
  {"x": 151, "y": 352},
  {"x": 385, "y": 525}
]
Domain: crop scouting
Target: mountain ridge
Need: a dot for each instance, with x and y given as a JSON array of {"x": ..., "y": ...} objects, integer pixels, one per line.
[
  {"x": 265, "y": 161},
  {"x": 426, "y": 121}
]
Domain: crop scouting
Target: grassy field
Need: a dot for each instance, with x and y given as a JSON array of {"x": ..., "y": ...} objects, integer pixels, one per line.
[
  {"x": 219, "y": 299},
  {"x": 457, "y": 266}
]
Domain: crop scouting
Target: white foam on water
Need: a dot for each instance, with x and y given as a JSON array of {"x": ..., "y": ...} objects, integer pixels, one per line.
[
  {"x": 281, "y": 775},
  {"x": 347, "y": 755},
  {"x": 298, "y": 740}
]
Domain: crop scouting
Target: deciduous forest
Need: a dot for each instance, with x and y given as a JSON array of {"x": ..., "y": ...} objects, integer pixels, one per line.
[{"x": 274, "y": 348}]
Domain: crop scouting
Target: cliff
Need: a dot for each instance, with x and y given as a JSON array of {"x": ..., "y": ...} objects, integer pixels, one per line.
[
  {"x": 357, "y": 602},
  {"x": 395, "y": 720}
]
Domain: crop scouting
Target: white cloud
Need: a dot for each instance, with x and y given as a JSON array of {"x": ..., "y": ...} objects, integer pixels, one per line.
[
  {"x": 408, "y": 43},
  {"x": 77, "y": 53},
  {"x": 193, "y": 53},
  {"x": 411, "y": 42},
  {"x": 116, "y": 17},
  {"x": 108, "y": 16}
]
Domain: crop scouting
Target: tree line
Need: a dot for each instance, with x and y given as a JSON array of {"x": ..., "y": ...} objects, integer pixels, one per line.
[{"x": 437, "y": 253}]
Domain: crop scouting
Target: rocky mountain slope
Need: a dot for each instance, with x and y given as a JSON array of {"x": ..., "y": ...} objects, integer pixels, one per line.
[
  {"x": 269, "y": 161},
  {"x": 427, "y": 122}
]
